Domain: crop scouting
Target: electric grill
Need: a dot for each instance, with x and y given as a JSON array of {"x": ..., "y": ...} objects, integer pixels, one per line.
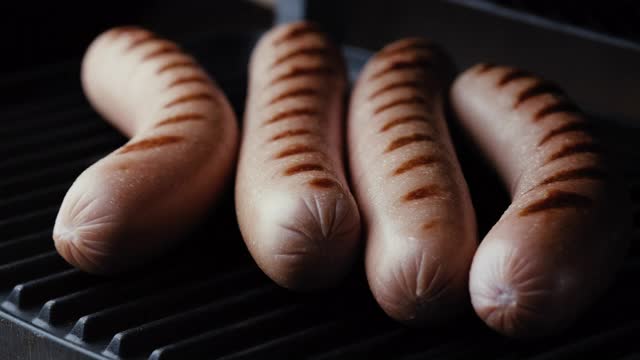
[{"x": 208, "y": 299}]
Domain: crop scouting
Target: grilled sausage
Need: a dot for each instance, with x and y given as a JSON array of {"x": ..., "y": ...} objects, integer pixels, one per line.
[
  {"x": 421, "y": 229},
  {"x": 138, "y": 200},
  {"x": 557, "y": 246},
  {"x": 295, "y": 210}
]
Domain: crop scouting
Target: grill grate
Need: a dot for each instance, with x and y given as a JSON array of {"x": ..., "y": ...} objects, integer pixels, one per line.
[{"x": 209, "y": 297}]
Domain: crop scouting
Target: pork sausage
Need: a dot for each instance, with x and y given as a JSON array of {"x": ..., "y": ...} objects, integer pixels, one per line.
[
  {"x": 138, "y": 200},
  {"x": 420, "y": 223},
  {"x": 295, "y": 210},
  {"x": 556, "y": 247}
]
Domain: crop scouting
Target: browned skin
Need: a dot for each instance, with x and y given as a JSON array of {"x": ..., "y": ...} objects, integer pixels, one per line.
[
  {"x": 297, "y": 215},
  {"x": 558, "y": 245},
  {"x": 141, "y": 199},
  {"x": 421, "y": 232}
]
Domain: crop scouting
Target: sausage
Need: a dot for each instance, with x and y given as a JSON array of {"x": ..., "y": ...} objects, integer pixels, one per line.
[
  {"x": 420, "y": 223},
  {"x": 557, "y": 246},
  {"x": 294, "y": 207},
  {"x": 140, "y": 199}
]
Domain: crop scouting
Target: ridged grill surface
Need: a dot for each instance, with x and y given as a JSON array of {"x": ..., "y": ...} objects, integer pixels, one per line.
[{"x": 209, "y": 299}]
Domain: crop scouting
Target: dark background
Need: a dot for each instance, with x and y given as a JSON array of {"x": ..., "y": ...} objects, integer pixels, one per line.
[{"x": 39, "y": 33}]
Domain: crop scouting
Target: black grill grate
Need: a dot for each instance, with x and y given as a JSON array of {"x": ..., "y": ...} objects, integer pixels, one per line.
[{"x": 209, "y": 299}]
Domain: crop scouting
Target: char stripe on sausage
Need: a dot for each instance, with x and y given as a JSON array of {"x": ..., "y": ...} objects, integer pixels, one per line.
[
  {"x": 181, "y": 118},
  {"x": 557, "y": 199},
  {"x": 151, "y": 143},
  {"x": 287, "y": 114},
  {"x": 290, "y": 93},
  {"x": 296, "y": 30},
  {"x": 198, "y": 96},
  {"x": 417, "y": 63},
  {"x": 512, "y": 75},
  {"x": 165, "y": 49},
  {"x": 571, "y": 126},
  {"x": 583, "y": 147},
  {"x": 323, "y": 183},
  {"x": 396, "y": 85},
  {"x": 408, "y": 100},
  {"x": 407, "y": 140},
  {"x": 404, "y": 120},
  {"x": 289, "y": 133},
  {"x": 308, "y": 51},
  {"x": 554, "y": 108},
  {"x": 143, "y": 39},
  {"x": 296, "y": 149},
  {"x": 188, "y": 80},
  {"x": 414, "y": 163},
  {"x": 296, "y": 71},
  {"x": 591, "y": 173},
  {"x": 538, "y": 88},
  {"x": 424, "y": 192},
  {"x": 300, "y": 168},
  {"x": 182, "y": 63},
  {"x": 484, "y": 67}
]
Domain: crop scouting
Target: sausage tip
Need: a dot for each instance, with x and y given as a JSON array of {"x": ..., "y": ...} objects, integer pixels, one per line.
[
  {"x": 414, "y": 288},
  {"x": 75, "y": 248},
  {"x": 308, "y": 243},
  {"x": 516, "y": 296}
]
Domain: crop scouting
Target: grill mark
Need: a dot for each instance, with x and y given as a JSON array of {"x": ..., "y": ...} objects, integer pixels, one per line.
[
  {"x": 162, "y": 50},
  {"x": 294, "y": 31},
  {"x": 568, "y": 127},
  {"x": 176, "y": 64},
  {"x": 310, "y": 51},
  {"x": 414, "y": 163},
  {"x": 406, "y": 140},
  {"x": 323, "y": 183},
  {"x": 422, "y": 193},
  {"x": 125, "y": 29},
  {"x": 536, "y": 89},
  {"x": 409, "y": 44},
  {"x": 189, "y": 98},
  {"x": 591, "y": 173},
  {"x": 430, "y": 224},
  {"x": 416, "y": 62},
  {"x": 200, "y": 79},
  {"x": 165, "y": 49},
  {"x": 403, "y": 120},
  {"x": 559, "y": 107},
  {"x": 181, "y": 118},
  {"x": 484, "y": 67},
  {"x": 297, "y": 169},
  {"x": 295, "y": 71},
  {"x": 584, "y": 147},
  {"x": 305, "y": 91},
  {"x": 411, "y": 100},
  {"x": 557, "y": 199},
  {"x": 513, "y": 74},
  {"x": 290, "y": 133},
  {"x": 141, "y": 40},
  {"x": 291, "y": 113},
  {"x": 151, "y": 143},
  {"x": 295, "y": 149},
  {"x": 396, "y": 85}
]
